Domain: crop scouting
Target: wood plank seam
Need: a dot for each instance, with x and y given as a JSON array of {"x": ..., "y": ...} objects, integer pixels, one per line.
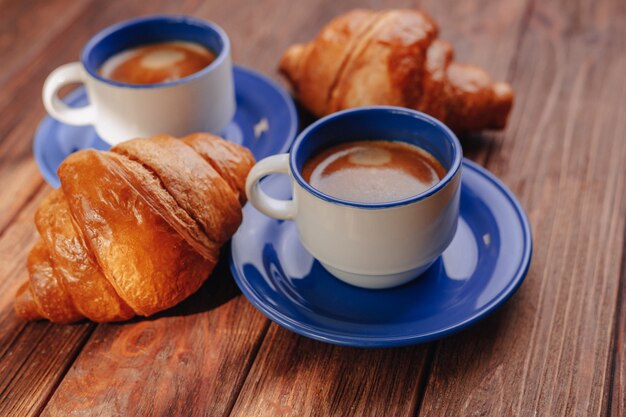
[
  {"x": 529, "y": 356},
  {"x": 524, "y": 24},
  {"x": 248, "y": 367},
  {"x": 613, "y": 201},
  {"x": 426, "y": 374},
  {"x": 66, "y": 367},
  {"x": 9, "y": 346},
  {"x": 551, "y": 102},
  {"x": 17, "y": 373},
  {"x": 616, "y": 340},
  {"x": 568, "y": 138},
  {"x": 616, "y": 391}
]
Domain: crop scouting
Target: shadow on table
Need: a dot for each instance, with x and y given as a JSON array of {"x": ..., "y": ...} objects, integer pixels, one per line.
[
  {"x": 477, "y": 146},
  {"x": 217, "y": 290},
  {"x": 305, "y": 118}
]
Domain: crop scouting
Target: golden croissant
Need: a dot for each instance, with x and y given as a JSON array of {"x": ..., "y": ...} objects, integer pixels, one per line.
[
  {"x": 393, "y": 57},
  {"x": 135, "y": 230}
]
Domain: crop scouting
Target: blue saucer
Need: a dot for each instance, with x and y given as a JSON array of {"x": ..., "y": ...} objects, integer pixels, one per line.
[
  {"x": 265, "y": 121},
  {"x": 483, "y": 266}
]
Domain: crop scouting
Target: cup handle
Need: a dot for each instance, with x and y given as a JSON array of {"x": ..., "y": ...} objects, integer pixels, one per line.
[
  {"x": 272, "y": 207},
  {"x": 64, "y": 75}
]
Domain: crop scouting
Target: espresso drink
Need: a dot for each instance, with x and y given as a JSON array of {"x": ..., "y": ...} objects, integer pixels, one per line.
[
  {"x": 373, "y": 171},
  {"x": 157, "y": 63}
]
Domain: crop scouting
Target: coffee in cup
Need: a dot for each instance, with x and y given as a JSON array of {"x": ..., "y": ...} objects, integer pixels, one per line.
[
  {"x": 157, "y": 63},
  {"x": 373, "y": 171}
]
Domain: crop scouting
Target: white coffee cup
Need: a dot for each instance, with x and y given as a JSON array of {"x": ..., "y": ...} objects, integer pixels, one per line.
[
  {"x": 202, "y": 102},
  {"x": 378, "y": 245}
]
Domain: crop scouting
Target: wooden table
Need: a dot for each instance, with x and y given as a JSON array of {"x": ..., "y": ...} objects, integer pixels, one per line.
[{"x": 556, "y": 348}]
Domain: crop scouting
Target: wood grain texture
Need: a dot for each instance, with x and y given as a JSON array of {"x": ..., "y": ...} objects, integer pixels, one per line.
[
  {"x": 33, "y": 356},
  {"x": 14, "y": 247},
  {"x": 556, "y": 348},
  {"x": 26, "y": 25},
  {"x": 36, "y": 362},
  {"x": 295, "y": 376},
  {"x": 548, "y": 352}
]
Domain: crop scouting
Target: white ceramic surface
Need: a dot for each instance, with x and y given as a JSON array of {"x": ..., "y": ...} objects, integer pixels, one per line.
[{"x": 202, "y": 102}]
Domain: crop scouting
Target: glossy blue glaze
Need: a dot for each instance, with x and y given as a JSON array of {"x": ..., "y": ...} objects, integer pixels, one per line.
[
  {"x": 257, "y": 96},
  {"x": 483, "y": 266},
  {"x": 378, "y": 123},
  {"x": 152, "y": 29}
]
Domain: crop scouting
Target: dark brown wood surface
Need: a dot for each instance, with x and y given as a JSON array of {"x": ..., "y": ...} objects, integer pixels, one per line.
[{"x": 557, "y": 348}]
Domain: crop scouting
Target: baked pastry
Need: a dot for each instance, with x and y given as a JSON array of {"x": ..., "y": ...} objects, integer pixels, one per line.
[
  {"x": 393, "y": 57},
  {"x": 135, "y": 230}
]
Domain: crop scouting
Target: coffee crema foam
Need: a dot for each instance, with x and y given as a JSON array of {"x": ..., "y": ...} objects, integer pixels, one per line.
[
  {"x": 157, "y": 63},
  {"x": 376, "y": 171}
]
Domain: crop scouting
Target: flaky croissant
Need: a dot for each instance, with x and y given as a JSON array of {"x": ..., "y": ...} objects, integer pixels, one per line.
[
  {"x": 393, "y": 57},
  {"x": 135, "y": 230}
]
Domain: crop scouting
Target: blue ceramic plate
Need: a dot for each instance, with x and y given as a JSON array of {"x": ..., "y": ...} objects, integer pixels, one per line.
[
  {"x": 483, "y": 266},
  {"x": 265, "y": 121}
]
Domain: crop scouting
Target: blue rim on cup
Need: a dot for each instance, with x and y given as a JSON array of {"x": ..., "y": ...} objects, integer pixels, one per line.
[
  {"x": 151, "y": 29},
  {"x": 360, "y": 124}
]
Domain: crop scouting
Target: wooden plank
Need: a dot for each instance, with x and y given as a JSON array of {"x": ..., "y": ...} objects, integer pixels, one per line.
[
  {"x": 47, "y": 350},
  {"x": 525, "y": 185},
  {"x": 548, "y": 351},
  {"x": 297, "y": 377}
]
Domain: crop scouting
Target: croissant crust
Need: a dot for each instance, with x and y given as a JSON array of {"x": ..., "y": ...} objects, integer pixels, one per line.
[
  {"x": 393, "y": 57},
  {"x": 135, "y": 230}
]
